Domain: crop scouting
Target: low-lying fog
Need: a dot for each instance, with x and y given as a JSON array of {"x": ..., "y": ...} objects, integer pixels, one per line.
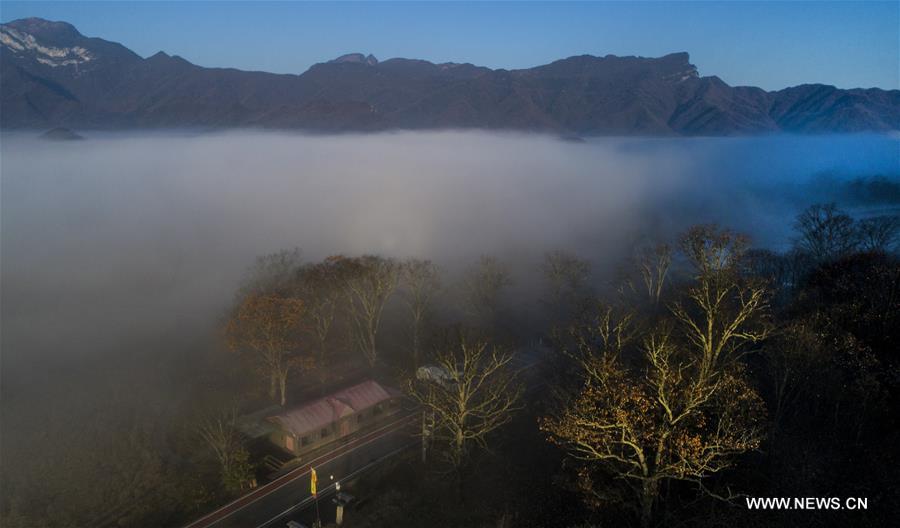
[{"x": 125, "y": 243}]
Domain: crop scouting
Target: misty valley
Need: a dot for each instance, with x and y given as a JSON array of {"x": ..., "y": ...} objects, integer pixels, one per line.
[
  {"x": 449, "y": 264},
  {"x": 176, "y": 304}
]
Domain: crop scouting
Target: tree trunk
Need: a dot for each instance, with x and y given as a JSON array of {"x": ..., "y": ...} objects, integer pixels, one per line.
[
  {"x": 273, "y": 384},
  {"x": 323, "y": 372},
  {"x": 424, "y": 438},
  {"x": 458, "y": 460},
  {"x": 282, "y": 386},
  {"x": 372, "y": 353},
  {"x": 322, "y": 351},
  {"x": 458, "y": 445},
  {"x": 415, "y": 339},
  {"x": 648, "y": 497}
]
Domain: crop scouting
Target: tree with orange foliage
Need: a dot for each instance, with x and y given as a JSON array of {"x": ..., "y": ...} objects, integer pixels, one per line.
[
  {"x": 268, "y": 327},
  {"x": 679, "y": 408}
]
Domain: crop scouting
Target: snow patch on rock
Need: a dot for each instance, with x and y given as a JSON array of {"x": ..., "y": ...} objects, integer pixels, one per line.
[{"x": 19, "y": 42}]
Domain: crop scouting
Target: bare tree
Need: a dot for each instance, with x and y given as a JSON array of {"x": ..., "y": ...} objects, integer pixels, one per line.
[
  {"x": 567, "y": 279},
  {"x": 879, "y": 233},
  {"x": 723, "y": 311},
  {"x": 321, "y": 286},
  {"x": 653, "y": 263},
  {"x": 790, "y": 358},
  {"x": 476, "y": 394},
  {"x": 598, "y": 339},
  {"x": 780, "y": 272},
  {"x": 422, "y": 280},
  {"x": 220, "y": 434},
  {"x": 369, "y": 282},
  {"x": 825, "y": 232},
  {"x": 797, "y": 265},
  {"x": 766, "y": 264},
  {"x": 268, "y": 326},
  {"x": 483, "y": 286},
  {"x": 662, "y": 421},
  {"x": 679, "y": 407},
  {"x": 274, "y": 273}
]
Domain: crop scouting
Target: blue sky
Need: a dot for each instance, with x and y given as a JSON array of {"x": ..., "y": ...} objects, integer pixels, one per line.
[{"x": 766, "y": 44}]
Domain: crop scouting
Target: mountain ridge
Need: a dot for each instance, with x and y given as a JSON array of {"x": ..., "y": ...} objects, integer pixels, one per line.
[{"x": 53, "y": 76}]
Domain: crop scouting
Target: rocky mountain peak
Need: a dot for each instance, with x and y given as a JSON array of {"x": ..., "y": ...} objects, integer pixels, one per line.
[
  {"x": 58, "y": 45},
  {"x": 53, "y": 76},
  {"x": 47, "y": 29},
  {"x": 355, "y": 58}
]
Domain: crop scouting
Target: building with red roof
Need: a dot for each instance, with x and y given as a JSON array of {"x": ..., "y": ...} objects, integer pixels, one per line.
[{"x": 321, "y": 421}]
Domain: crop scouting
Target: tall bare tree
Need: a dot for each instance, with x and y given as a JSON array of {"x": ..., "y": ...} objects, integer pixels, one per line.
[
  {"x": 369, "y": 282},
  {"x": 879, "y": 233},
  {"x": 483, "y": 287},
  {"x": 825, "y": 232},
  {"x": 268, "y": 328},
  {"x": 221, "y": 435},
  {"x": 422, "y": 279},
  {"x": 723, "y": 310},
  {"x": 679, "y": 408},
  {"x": 274, "y": 273},
  {"x": 599, "y": 337},
  {"x": 322, "y": 290},
  {"x": 476, "y": 393},
  {"x": 567, "y": 280},
  {"x": 653, "y": 263},
  {"x": 660, "y": 422}
]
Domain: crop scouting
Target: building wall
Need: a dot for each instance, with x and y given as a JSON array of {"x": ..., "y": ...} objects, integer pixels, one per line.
[{"x": 337, "y": 429}]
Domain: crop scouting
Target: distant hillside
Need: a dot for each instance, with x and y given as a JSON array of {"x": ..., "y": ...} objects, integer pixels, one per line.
[
  {"x": 61, "y": 134},
  {"x": 52, "y": 76}
]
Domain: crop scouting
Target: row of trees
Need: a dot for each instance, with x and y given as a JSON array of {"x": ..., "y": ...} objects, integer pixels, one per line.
[
  {"x": 286, "y": 314},
  {"x": 707, "y": 354},
  {"x": 291, "y": 317},
  {"x": 288, "y": 311},
  {"x": 825, "y": 232},
  {"x": 672, "y": 381},
  {"x": 651, "y": 387}
]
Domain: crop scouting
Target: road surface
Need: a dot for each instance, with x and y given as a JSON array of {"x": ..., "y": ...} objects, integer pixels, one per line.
[{"x": 267, "y": 503}]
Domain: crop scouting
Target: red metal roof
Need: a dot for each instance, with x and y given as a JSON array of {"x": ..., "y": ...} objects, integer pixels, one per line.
[{"x": 318, "y": 413}]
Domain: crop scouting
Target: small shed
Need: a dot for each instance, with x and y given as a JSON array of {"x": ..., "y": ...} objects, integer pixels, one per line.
[{"x": 321, "y": 421}]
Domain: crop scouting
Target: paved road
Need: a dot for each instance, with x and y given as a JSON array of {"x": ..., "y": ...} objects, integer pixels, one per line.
[
  {"x": 306, "y": 512},
  {"x": 282, "y": 495}
]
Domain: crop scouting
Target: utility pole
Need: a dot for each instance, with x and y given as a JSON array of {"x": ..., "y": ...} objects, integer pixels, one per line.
[
  {"x": 340, "y": 500},
  {"x": 339, "y": 513},
  {"x": 424, "y": 437}
]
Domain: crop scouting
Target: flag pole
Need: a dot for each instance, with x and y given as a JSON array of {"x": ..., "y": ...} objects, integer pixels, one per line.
[
  {"x": 318, "y": 520},
  {"x": 313, "y": 484}
]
